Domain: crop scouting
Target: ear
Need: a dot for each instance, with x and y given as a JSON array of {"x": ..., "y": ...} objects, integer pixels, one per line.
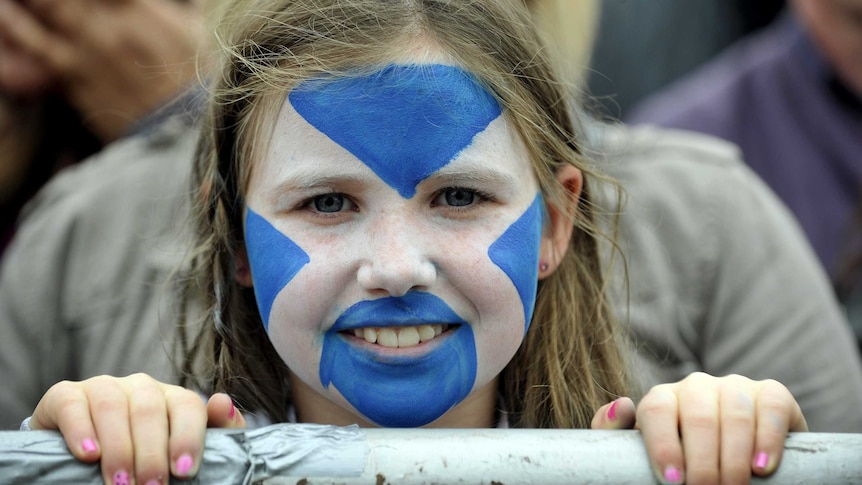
[
  {"x": 243, "y": 271},
  {"x": 558, "y": 230}
]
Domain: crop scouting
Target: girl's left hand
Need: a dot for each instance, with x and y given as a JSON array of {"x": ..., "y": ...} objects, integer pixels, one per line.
[{"x": 706, "y": 429}]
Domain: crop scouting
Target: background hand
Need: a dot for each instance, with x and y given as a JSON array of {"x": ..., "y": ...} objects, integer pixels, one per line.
[{"x": 115, "y": 60}]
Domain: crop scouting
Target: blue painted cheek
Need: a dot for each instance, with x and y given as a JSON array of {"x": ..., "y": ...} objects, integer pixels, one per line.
[
  {"x": 516, "y": 252},
  {"x": 274, "y": 261},
  {"x": 400, "y": 392},
  {"x": 404, "y": 122}
]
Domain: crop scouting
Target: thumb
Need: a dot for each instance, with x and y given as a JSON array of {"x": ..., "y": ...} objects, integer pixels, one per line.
[
  {"x": 617, "y": 414},
  {"x": 221, "y": 412}
]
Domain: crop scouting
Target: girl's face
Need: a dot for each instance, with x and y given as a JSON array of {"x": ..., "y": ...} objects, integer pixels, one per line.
[{"x": 393, "y": 233}]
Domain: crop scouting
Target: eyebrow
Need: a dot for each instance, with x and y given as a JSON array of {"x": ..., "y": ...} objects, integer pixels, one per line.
[
  {"x": 307, "y": 180},
  {"x": 474, "y": 172}
]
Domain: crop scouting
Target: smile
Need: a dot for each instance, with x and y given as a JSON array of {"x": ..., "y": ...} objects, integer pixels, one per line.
[{"x": 399, "y": 337}]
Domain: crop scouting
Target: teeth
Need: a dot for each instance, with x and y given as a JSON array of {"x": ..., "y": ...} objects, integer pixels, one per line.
[
  {"x": 426, "y": 332},
  {"x": 387, "y": 337},
  {"x": 408, "y": 337},
  {"x": 370, "y": 335},
  {"x": 399, "y": 336}
]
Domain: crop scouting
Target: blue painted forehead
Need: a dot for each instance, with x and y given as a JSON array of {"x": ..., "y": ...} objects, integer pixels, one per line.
[{"x": 404, "y": 122}]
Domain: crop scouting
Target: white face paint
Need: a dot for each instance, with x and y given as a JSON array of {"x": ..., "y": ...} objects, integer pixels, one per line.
[{"x": 372, "y": 284}]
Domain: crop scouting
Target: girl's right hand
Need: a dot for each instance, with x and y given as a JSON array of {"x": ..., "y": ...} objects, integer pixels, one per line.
[{"x": 143, "y": 430}]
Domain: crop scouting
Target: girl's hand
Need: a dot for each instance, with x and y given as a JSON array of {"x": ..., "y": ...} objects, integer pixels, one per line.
[
  {"x": 142, "y": 430},
  {"x": 707, "y": 429}
]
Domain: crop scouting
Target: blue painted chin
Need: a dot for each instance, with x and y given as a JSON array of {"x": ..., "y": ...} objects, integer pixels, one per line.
[{"x": 400, "y": 392}]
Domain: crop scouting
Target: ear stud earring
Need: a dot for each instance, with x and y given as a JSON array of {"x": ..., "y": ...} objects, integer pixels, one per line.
[{"x": 543, "y": 266}]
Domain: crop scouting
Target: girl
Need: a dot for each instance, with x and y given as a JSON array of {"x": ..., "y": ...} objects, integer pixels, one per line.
[{"x": 394, "y": 229}]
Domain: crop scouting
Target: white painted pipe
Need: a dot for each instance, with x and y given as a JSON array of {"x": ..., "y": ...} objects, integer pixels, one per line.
[{"x": 314, "y": 454}]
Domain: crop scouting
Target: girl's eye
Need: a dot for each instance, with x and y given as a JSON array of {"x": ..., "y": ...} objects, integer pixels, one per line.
[
  {"x": 456, "y": 197},
  {"x": 328, "y": 203}
]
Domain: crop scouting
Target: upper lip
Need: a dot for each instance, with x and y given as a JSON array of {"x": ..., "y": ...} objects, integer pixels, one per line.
[{"x": 410, "y": 310}]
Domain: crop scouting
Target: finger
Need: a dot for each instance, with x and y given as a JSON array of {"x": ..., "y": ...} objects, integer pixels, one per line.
[
  {"x": 65, "y": 408},
  {"x": 109, "y": 409},
  {"x": 619, "y": 414},
  {"x": 188, "y": 424},
  {"x": 699, "y": 428},
  {"x": 777, "y": 413},
  {"x": 658, "y": 420},
  {"x": 737, "y": 423},
  {"x": 222, "y": 413},
  {"x": 61, "y": 16},
  {"x": 22, "y": 29},
  {"x": 149, "y": 427}
]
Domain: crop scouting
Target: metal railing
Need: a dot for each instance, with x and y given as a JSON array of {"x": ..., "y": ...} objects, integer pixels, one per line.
[{"x": 312, "y": 454}]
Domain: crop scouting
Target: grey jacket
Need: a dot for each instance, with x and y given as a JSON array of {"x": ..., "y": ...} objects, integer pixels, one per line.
[{"x": 721, "y": 279}]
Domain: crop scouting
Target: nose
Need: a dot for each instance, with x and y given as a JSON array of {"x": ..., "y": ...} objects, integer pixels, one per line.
[{"x": 395, "y": 262}]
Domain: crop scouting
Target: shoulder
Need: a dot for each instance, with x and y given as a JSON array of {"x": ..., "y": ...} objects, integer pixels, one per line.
[
  {"x": 133, "y": 170},
  {"x": 95, "y": 224},
  {"x": 666, "y": 162}
]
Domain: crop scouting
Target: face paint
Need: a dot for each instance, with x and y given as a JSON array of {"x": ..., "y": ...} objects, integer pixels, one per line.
[
  {"x": 274, "y": 260},
  {"x": 405, "y": 126},
  {"x": 517, "y": 254},
  {"x": 401, "y": 391},
  {"x": 404, "y": 122}
]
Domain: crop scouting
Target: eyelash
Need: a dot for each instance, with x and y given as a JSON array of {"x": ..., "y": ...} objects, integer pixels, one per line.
[{"x": 481, "y": 197}]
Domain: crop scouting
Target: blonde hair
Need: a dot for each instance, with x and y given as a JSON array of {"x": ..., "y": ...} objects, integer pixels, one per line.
[{"x": 570, "y": 362}]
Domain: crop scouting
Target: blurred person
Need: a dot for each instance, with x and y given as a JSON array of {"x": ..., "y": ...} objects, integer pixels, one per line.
[
  {"x": 642, "y": 45},
  {"x": 736, "y": 292},
  {"x": 791, "y": 98},
  {"x": 77, "y": 75}
]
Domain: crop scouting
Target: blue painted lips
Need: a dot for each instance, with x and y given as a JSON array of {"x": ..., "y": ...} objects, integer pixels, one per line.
[{"x": 400, "y": 391}]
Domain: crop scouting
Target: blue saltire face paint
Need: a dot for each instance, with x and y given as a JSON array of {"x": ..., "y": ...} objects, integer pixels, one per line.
[
  {"x": 274, "y": 260},
  {"x": 401, "y": 392},
  {"x": 404, "y": 122},
  {"x": 518, "y": 244}
]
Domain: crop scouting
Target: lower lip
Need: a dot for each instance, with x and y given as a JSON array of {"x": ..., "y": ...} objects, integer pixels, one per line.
[{"x": 423, "y": 348}]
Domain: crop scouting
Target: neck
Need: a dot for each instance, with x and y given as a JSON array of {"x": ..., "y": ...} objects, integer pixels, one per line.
[{"x": 479, "y": 410}]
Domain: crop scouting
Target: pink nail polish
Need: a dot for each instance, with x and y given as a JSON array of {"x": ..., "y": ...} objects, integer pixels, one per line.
[
  {"x": 121, "y": 478},
  {"x": 88, "y": 445},
  {"x": 612, "y": 411},
  {"x": 154, "y": 482},
  {"x": 232, "y": 412},
  {"x": 671, "y": 474},
  {"x": 761, "y": 460},
  {"x": 184, "y": 464}
]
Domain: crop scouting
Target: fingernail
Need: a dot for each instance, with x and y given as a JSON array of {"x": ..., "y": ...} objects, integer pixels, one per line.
[
  {"x": 154, "y": 482},
  {"x": 232, "y": 412},
  {"x": 88, "y": 445},
  {"x": 761, "y": 461},
  {"x": 671, "y": 474},
  {"x": 121, "y": 478},
  {"x": 612, "y": 411},
  {"x": 184, "y": 464}
]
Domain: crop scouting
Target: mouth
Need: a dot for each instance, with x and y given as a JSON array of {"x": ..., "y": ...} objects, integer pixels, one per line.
[{"x": 400, "y": 337}]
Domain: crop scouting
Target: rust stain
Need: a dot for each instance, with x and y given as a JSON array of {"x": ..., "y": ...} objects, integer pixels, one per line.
[{"x": 381, "y": 480}]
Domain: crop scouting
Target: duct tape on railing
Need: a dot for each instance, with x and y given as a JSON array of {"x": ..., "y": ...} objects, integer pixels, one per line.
[{"x": 311, "y": 454}]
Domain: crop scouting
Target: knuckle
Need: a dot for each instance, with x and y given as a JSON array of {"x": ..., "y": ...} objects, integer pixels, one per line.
[
  {"x": 700, "y": 420},
  {"x": 736, "y": 472},
  {"x": 702, "y": 475},
  {"x": 737, "y": 419}
]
